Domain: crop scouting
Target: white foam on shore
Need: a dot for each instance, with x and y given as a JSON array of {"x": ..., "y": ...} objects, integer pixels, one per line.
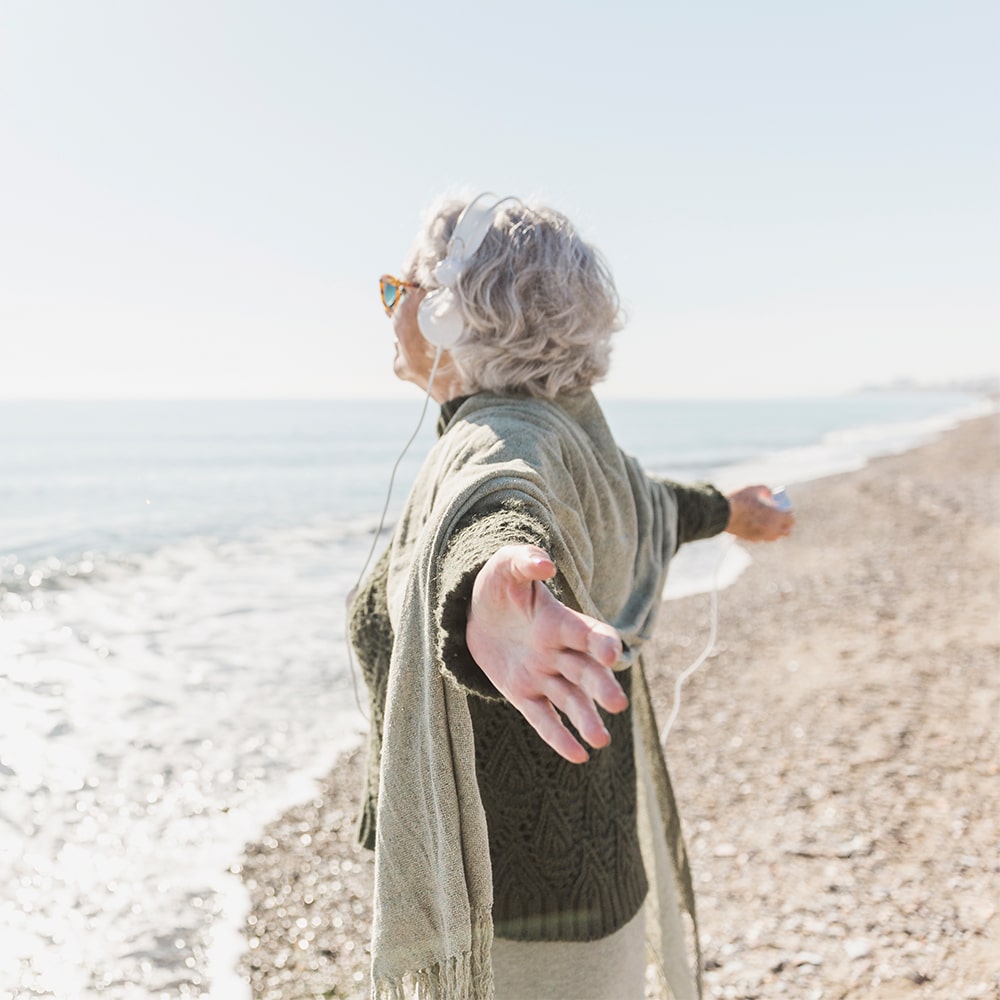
[
  {"x": 699, "y": 567},
  {"x": 153, "y": 718},
  {"x": 227, "y": 935}
]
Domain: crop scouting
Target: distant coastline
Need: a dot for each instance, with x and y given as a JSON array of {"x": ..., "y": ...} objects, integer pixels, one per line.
[{"x": 988, "y": 385}]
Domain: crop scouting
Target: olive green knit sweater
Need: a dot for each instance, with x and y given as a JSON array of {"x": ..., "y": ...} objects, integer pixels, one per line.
[{"x": 563, "y": 841}]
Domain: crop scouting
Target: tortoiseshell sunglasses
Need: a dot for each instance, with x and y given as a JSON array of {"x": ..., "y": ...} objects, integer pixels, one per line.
[{"x": 392, "y": 290}]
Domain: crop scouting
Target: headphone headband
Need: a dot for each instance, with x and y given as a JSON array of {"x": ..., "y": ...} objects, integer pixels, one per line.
[{"x": 469, "y": 232}]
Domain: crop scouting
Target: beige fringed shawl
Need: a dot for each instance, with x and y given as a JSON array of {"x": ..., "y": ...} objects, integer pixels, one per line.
[{"x": 613, "y": 531}]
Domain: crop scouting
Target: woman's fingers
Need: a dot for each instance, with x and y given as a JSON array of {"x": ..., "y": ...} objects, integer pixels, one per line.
[
  {"x": 528, "y": 562},
  {"x": 569, "y": 629},
  {"x": 596, "y": 681},
  {"x": 580, "y": 709},
  {"x": 545, "y": 720}
]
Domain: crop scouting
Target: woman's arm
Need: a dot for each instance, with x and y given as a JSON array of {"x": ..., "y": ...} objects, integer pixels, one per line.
[
  {"x": 702, "y": 511},
  {"x": 748, "y": 513},
  {"x": 543, "y": 656}
]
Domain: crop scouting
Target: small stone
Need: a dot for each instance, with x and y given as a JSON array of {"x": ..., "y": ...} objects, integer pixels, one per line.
[
  {"x": 857, "y": 948},
  {"x": 856, "y": 847},
  {"x": 808, "y": 958}
]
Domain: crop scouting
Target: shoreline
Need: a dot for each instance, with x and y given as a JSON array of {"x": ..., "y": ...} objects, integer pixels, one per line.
[{"x": 833, "y": 759}]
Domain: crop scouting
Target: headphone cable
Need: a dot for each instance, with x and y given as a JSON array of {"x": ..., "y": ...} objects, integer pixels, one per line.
[
  {"x": 705, "y": 653},
  {"x": 378, "y": 532}
]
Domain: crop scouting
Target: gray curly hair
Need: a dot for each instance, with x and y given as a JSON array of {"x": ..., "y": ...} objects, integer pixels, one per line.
[{"x": 538, "y": 303}]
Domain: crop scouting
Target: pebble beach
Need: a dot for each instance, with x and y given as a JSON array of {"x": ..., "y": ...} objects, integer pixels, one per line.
[{"x": 836, "y": 759}]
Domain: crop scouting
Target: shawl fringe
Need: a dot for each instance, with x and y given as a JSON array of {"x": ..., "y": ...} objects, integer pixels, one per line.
[{"x": 468, "y": 976}]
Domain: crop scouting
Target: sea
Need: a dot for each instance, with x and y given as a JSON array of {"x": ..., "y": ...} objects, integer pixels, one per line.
[{"x": 173, "y": 665}]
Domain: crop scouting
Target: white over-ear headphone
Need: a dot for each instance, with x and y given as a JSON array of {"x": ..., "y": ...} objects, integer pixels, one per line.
[{"x": 439, "y": 315}]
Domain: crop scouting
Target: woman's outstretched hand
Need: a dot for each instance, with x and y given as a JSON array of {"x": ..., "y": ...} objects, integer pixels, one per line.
[
  {"x": 754, "y": 516},
  {"x": 540, "y": 654}
]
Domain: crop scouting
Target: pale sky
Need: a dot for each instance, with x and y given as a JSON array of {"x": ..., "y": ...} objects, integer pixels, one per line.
[{"x": 197, "y": 197}]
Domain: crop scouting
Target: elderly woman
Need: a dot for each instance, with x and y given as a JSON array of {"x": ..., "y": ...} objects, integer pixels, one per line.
[{"x": 500, "y": 636}]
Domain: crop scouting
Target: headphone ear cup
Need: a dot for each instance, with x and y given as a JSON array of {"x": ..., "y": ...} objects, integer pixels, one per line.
[
  {"x": 448, "y": 271},
  {"x": 440, "y": 319}
]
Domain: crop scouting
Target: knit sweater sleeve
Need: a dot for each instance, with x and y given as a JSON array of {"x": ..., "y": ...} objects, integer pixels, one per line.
[
  {"x": 702, "y": 511},
  {"x": 476, "y": 539}
]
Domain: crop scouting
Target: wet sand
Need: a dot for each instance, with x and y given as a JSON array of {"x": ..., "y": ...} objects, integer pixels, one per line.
[{"x": 837, "y": 761}]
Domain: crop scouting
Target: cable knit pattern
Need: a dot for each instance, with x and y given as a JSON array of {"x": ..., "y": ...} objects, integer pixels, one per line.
[{"x": 563, "y": 838}]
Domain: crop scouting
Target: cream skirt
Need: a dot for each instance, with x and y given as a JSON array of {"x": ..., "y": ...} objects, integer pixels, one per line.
[{"x": 611, "y": 968}]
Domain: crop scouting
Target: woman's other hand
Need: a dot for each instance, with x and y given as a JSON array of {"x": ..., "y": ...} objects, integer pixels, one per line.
[
  {"x": 755, "y": 517},
  {"x": 540, "y": 654}
]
